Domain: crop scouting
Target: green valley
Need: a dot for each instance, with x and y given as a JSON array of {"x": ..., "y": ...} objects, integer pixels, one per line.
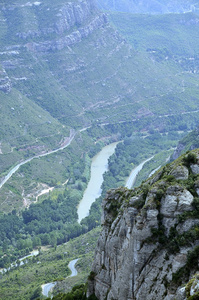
[
  {"x": 76, "y": 72},
  {"x": 75, "y": 77}
]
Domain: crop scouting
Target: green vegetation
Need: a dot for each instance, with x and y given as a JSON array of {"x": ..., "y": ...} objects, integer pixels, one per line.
[
  {"x": 50, "y": 265},
  {"x": 192, "y": 282},
  {"x": 51, "y": 222},
  {"x": 159, "y": 160},
  {"x": 87, "y": 84},
  {"x": 190, "y": 141},
  {"x": 148, "y": 7},
  {"x": 127, "y": 156},
  {"x": 103, "y": 84},
  {"x": 151, "y": 33},
  {"x": 78, "y": 292}
]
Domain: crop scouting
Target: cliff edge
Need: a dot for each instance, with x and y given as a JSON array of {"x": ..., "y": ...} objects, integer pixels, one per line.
[{"x": 148, "y": 247}]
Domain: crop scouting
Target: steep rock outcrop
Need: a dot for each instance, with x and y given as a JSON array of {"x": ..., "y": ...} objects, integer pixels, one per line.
[
  {"x": 69, "y": 15},
  {"x": 71, "y": 39},
  {"x": 148, "y": 244},
  {"x": 5, "y": 83},
  {"x": 74, "y": 14},
  {"x": 70, "y": 24}
]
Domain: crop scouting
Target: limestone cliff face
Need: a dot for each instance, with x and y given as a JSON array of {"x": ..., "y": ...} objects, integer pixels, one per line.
[
  {"x": 5, "y": 83},
  {"x": 71, "y": 23},
  {"x": 45, "y": 29},
  {"x": 53, "y": 28},
  {"x": 148, "y": 236},
  {"x": 74, "y": 14},
  {"x": 69, "y": 39}
]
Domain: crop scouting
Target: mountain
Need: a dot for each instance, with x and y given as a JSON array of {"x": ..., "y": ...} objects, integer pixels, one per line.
[
  {"x": 148, "y": 6},
  {"x": 68, "y": 69},
  {"x": 68, "y": 60},
  {"x": 148, "y": 247},
  {"x": 189, "y": 142},
  {"x": 66, "y": 66}
]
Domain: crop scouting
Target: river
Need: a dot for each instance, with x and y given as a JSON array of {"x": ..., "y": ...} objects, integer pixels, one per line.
[
  {"x": 99, "y": 165},
  {"x": 132, "y": 177},
  {"x": 13, "y": 170}
]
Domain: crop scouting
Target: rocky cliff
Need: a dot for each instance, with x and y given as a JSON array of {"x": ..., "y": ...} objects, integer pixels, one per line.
[
  {"x": 69, "y": 39},
  {"x": 189, "y": 142},
  {"x": 64, "y": 25},
  {"x": 148, "y": 246}
]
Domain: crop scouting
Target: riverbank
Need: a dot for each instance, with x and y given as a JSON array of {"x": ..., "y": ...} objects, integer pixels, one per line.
[
  {"x": 99, "y": 165},
  {"x": 132, "y": 177}
]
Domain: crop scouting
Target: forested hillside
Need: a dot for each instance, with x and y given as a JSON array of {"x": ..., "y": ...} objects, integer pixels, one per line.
[
  {"x": 64, "y": 66},
  {"x": 149, "y": 6}
]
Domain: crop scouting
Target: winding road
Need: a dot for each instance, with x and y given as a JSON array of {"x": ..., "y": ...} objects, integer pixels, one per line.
[
  {"x": 48, "y": 287},
  {"x": 13, "y": 170},
  {"x": 71, "y": 266}
]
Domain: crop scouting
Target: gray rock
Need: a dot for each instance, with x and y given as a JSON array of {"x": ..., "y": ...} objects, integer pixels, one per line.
[
  {"x": 176, "y": 201},
  {"x": 195, "y": 286},
  {"x": 187, "y": 225},
  {"x": 180, "y": 173},
  {"x": 128, "y": 261},
  {"x": 181, "y": 294},
  {"x": 178, "y": 151},
  {"x": 5, "y": 83},
  {"x": 195, "y": 169}
]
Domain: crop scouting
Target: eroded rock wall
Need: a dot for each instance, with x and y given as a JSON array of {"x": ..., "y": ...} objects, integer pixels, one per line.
[
  {"x": 143, "y": 243},
  {"x": 5, "y": 83}
]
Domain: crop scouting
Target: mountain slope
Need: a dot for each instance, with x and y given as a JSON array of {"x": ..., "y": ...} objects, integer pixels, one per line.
[
  {"x": 189, "y": 142},
  {"x": 148, "y": 6},
  {"x": 68, "y": 60},
  {"x": 148, "y": 246},
  {"x": 68, "y": 63}
]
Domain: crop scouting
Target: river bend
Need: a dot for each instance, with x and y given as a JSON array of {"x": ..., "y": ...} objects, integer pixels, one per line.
[{"x": 99, "y": 165}]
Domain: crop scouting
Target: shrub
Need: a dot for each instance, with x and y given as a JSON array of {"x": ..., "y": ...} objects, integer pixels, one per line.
[
  {"x": 190, "y": 158},
  {"x": 91, "y": 276}
]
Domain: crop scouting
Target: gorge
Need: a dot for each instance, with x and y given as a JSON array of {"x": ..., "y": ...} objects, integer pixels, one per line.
[{"x": 75, "y": 77}]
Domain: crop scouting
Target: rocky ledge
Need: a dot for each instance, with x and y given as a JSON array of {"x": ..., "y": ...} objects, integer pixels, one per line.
[
  {"x": 149, "y": 244},
  {"x": 71, "y": 39},
  {"x": 5, "y": 83}
]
